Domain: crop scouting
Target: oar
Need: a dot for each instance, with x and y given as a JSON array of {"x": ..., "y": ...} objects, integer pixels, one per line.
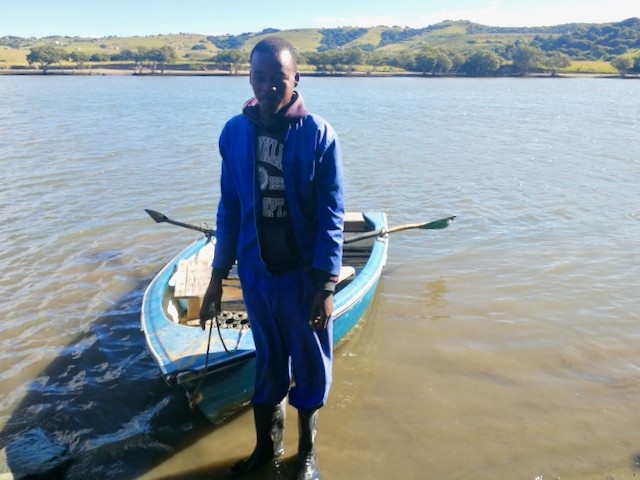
[
  {"x": 435, "y": 225},
  {"x": 160, "y": 218}
]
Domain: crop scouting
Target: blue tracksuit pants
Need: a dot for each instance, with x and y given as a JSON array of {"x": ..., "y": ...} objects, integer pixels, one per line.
[{"x": 287, "y": 348}]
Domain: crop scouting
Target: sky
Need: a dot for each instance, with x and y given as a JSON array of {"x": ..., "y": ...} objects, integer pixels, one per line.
[{"x": 39, "y": 18}]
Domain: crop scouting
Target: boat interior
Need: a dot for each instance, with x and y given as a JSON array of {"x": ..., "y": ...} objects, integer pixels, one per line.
[{"x": 190, "y": 279}]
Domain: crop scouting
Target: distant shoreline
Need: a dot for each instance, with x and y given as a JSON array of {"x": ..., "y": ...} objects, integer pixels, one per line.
[{"x": 244, "y": 73}]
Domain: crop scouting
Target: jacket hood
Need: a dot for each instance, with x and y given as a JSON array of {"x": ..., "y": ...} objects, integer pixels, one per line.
[{"x": 292, "y": 113}]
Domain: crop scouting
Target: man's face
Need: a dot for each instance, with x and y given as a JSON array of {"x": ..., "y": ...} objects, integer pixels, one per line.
[{"x": 273, "y": 80}]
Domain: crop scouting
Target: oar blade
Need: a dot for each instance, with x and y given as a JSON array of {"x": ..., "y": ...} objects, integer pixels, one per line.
[
  {"x": 438, "y": 224},
  {"x": 160, "y": 218},
  {"x": 157, "y": 216}
]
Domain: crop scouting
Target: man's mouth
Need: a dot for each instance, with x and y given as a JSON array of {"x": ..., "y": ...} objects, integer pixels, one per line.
[{"x": 269, "y": 99}]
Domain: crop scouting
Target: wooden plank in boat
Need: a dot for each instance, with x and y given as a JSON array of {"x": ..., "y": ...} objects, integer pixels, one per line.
[
  {"x": 192, "y": 280},
  {"x": 354, "y": 222}
]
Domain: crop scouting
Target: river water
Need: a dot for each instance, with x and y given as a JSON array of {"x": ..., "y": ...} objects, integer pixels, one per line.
[{"x": 506, "y": 346}]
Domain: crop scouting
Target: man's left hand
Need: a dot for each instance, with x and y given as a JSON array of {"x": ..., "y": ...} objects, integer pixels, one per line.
[{"x": 321, "y": 310}]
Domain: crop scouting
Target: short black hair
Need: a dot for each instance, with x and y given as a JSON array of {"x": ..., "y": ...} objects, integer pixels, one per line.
[{"x": 273, "y": 46}]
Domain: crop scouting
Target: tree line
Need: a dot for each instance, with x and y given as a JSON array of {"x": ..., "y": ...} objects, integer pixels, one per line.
[
  {"x": 519, "y": 58},
  {"x": 155, "y": 59}
]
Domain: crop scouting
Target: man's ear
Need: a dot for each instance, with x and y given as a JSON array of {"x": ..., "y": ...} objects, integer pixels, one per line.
[{"x": 297, "y": 80}]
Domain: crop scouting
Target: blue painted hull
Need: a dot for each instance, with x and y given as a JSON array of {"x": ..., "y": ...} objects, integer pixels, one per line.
[{"x": 180, "y": 350}]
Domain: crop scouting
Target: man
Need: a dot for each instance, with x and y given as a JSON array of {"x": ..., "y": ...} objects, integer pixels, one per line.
[{"x": 281, "y": 218}]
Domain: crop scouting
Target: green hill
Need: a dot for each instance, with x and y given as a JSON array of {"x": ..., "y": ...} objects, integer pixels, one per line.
[{"x": 579, "y": 41}]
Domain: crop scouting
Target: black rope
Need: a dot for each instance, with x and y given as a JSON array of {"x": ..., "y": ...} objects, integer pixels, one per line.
[
  {"x": 193, "y": 398},
  {"x": 224, "y": 345}
]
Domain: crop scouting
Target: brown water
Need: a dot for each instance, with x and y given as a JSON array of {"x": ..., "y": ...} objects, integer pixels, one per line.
[{"x": 503, "y": 347}]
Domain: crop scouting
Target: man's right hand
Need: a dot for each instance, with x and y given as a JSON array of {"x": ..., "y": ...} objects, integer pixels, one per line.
[{"x": 211, "y": 303}]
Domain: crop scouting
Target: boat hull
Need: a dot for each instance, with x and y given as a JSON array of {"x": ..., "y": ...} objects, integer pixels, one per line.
[{"x": 221, "y": 383}]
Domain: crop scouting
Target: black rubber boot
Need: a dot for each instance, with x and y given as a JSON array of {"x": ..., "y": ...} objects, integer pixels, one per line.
[
  {"x": 269, "y": 440},
  {"x": 307, "y": 460}
]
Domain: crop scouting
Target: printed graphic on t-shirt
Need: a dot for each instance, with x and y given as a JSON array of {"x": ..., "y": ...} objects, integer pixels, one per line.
[
  {"x": 270, "y": 178},
  {"x": 278, "y": 247}
]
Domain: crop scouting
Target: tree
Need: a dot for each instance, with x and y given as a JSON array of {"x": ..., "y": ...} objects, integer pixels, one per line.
[
  {"x": 100, "y": 57},
  {"x": 432, "y": 60},
  {"x": 45, "y": 56},
  {"x": 126, "y": 55},
  {"x": 403, "y": 59},
  {"x": 636, "y": 65},
  {"x": 159, "y": 57},
  {"x": 444, "y": 63},
  {"x": 320, "y": 60},
  {"x": 526, "y": 58},
  {"x": 426, "y": 60},
  {"x": 457, "y": 60},
  {"x": 232, "y": 58},
  {"x": 140, "y": 57},
  {"x": 350, "y": 58},
  {"x": 481, "y": 63},
  {"x": 377, "y": 59},
  {"x": 556, "y": 62},
  {"x": 623, "y": 64},
  {"x": 79, "y": 57},
  {"x": 335, "y": 60}
]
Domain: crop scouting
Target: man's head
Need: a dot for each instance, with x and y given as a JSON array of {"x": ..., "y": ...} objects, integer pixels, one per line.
[{"x": 274, "y": 74}]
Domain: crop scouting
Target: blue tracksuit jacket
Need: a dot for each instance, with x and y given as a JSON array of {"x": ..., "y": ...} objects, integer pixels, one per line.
[
  {"x": 312, "y": 169},
  {"x": 279, "y": 305}
]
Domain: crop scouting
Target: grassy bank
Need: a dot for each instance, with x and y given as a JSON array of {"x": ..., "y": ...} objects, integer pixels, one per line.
[{"x": 594, "y": 67}]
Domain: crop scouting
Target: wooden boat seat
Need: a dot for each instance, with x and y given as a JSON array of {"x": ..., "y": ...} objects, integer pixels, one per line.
[
  {"x": 191, "y": 279},
  {"x": 191, "y": 282},
  {"x": 354, "y": 222}
]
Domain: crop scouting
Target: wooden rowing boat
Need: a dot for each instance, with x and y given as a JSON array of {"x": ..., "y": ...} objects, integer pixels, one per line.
[{"x": 218, "y": 382}]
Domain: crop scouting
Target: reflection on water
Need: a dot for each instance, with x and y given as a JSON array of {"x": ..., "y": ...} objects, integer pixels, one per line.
[{"x": 502, "y": 347}]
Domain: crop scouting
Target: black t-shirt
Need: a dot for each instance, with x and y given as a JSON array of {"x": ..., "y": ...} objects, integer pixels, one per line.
[{"x": 278, "y": 246}]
